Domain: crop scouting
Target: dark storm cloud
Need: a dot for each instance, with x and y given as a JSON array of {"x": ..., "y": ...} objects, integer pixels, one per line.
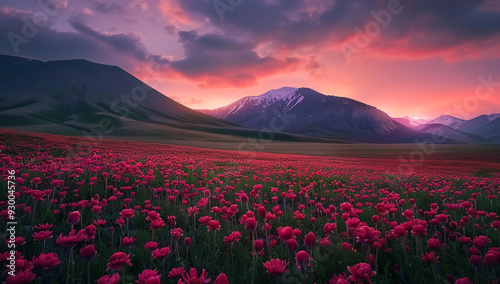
[
  {"x": 105, "y": 8},
  {"x": 24, "y": 38},
  {"x": 124, "y": 42},
  {"x": 221, "y": 61},
  {"x": 252, "y": 39},
  {"x": 441, "y": 24},
  {"x": 128, "y": 43}
]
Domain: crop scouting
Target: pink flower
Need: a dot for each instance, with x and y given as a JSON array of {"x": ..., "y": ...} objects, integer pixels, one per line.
[
  {"x": 152, "y": 215},
  {"x": 18, "y": 241},
  {"x": 328, "y": 228},
  {"x": 149, "y": 276},
  {"x": 398, "y": 231},
  {"x": 419, "y": 230},
  {"x": 429, "y": 257},
  {"x": 106, "y": 279},
  {"x": 73, "y": 217},
  {"x": 491, "y": 259},
  {"x": 346, "y": 206},
  {"x": 193, "y": 210},
  {"x": 45, "y": 226},
  {"x": 476, "y": 261},
  {"x": 433, "y": 243},
  {"x": 285, "y": 233},
  {"x": 204, "y": 220},
  {"x": 176, "y": 234},
  {"x": 72, "y": 239},
  {"x": 161, "y": 253},
  {"x": 232, "y": 238},
  {"x": 310, "y": 240},
  {"x": 276, "y": 267},
  {"x": 176, "y": 272},
  {"x": 464, "y": 280},
  {"x": 100, "y": 222},
  {"x": 88, "y": 252},
  {"x": 21, "y": 277},
  {"x": 339, "y": 279},
  {"x": 262, "y": 212},
  {"x": 193, "y": 278},
  {"x": 42, "y": 235},
  {"x": 361, "y": 272},
  {"x": 22, "y": 264},
  {"x": 346, "y": 246},
  {"x": 117, "y": 260},
  {"x": 298, "y": 215},
  {"x": 213, "y": 225},
  {"x": 157, "y": 223},
  {"x": 128, "y": 241},
  {"x": 90, "y": 232},
  {"x": 46, "y": 260},
  {"x": 127, "y": 213},
  {"x": 292, "y": 244},
  {"x": 150, "y": 245},
  {"x": 495, "y": 225},
  {"x": 250, "y": 224},
  {"x": 325, "y": 242},
  {"x": 221, "y": 279},
  {"x": 258, "y": 245},
  {"x": 302, "y": 258},
  {"x": 480, "y": 242},
  {"x": 408, "y": 214},
  {"x": 367, "y": 234}
]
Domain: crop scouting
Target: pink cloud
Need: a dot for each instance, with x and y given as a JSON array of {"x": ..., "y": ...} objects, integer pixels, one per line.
[{"x": 174, "y": 12}]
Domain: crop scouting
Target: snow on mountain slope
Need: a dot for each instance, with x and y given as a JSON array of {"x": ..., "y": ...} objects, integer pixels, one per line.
[
  {"x": 493, "y": 116},
  {"x": 410, "y": 121},
  {"x": 309, "y": 113},
  {"x": 447, "y": 120}
]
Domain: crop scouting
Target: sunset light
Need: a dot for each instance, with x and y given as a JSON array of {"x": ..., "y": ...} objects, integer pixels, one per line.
[
  {"x": 404, "y": 57},
  {"x": 250, "y": 141}
]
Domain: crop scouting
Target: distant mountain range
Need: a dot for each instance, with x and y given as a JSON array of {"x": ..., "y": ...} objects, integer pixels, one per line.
[
  {"x": 410, "y": 121},
  {"x": 481, "y": 129},
  {"x": 310, "y": 113},
  {"x": 78, "y": 97},
  {"x": 78, "y": 94},
  {"x": 447, "y": 120}
]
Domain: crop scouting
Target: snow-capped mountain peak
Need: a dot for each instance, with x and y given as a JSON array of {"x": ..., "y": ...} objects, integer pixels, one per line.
[
  {"x": 447, "y": 120},
  {"x": 286, "y": 94},
  {"x": 310, "y": 113},
  {"x": 411, "y": 121},
  {"x": 277, "y": 94},
  {"x": 493, "y": 116}
]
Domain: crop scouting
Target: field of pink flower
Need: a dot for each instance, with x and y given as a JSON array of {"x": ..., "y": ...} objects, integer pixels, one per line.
[{"x": 123, "y": 212}]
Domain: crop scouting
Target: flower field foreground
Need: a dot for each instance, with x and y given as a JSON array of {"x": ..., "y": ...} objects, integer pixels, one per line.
[{"x": 127, "y": 212}]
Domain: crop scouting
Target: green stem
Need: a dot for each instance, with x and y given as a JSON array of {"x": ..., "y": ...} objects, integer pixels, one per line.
[
  {"x": 88, "y": 272},
  {"x": 70, "y": 261},
  {"x": 128, "y": 230}
]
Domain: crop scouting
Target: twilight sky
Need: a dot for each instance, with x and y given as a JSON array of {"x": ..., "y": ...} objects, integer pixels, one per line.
[{"x": 418, "y": 58}]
